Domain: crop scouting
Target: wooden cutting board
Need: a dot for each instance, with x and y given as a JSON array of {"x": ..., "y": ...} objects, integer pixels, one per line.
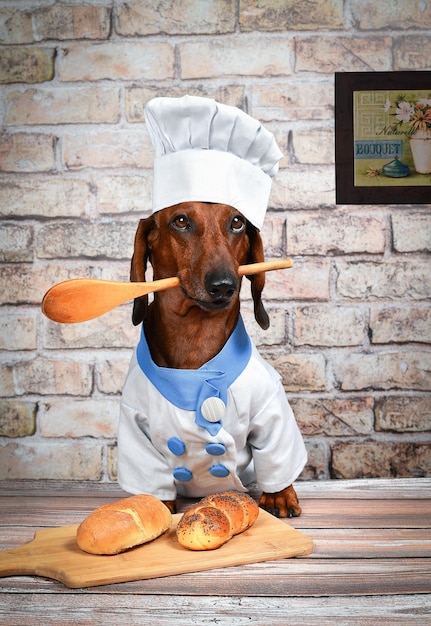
[{"x": 54, "y": 553}]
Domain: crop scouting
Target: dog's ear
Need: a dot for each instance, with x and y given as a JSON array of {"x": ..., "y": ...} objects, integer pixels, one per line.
[
  {"x": 256, "y": 255},
  {"x": 138, "y": 266}
]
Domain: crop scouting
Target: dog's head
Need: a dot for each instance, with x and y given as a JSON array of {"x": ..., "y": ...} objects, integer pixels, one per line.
[{"x": 202, "y": 244}]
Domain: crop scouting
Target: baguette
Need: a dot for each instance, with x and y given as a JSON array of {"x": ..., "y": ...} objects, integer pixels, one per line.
[
  {"x": 116, "y": 527},
  {"x": 215, "y": 519}
]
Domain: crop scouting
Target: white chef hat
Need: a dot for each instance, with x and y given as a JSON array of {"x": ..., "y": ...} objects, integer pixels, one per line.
[{"x": 210, "y": 152}]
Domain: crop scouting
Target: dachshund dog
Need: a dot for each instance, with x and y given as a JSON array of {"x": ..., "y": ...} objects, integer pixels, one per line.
[{"x": 202, "y": 244}]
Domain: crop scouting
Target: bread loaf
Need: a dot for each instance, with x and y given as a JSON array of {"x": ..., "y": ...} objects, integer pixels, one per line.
[
  {"x": 217, "y": 518},
  {"x": 113, "y": 528}
]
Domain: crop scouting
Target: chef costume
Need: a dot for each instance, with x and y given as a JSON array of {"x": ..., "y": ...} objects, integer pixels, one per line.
[{"x": 226, "y": 425}]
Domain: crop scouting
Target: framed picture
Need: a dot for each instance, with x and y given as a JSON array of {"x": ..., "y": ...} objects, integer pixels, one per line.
[{"x": 383, "y": 137}]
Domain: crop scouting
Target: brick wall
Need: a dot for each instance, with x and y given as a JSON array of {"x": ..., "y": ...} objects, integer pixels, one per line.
[{"x": 350, "y": 323}]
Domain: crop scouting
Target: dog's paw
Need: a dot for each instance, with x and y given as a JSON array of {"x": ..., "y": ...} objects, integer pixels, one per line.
[
  {"x": 281, "y": 503},
  {"x": 171, "y": 504}
]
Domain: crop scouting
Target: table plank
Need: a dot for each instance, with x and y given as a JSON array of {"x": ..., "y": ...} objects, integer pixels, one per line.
[
  {"x": 291, "y": 577},
  {"x": 356, "y": 489},
  {"x": 343, "y": 513},
  {"x": 139, "y": 610},
  {"x": 316, "y": 513}
]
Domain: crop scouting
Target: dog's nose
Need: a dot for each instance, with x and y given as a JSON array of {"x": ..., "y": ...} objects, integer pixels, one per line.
[{"x": 220, "y": 285}]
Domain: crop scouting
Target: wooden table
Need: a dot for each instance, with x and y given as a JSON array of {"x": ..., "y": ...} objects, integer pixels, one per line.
[{"x": 371, "y": 564}]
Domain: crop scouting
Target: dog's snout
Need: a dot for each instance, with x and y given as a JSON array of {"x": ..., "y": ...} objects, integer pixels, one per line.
[{"x": 221, "y": 285}]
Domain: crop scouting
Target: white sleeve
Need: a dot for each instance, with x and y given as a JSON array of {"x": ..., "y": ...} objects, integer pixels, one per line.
[{"x": 278, "y": 449}]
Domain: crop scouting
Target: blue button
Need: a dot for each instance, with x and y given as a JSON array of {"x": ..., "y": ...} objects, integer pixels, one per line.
[
  {"x": 182, "y": 474},
  {"x": 176, "y": 446},
  {"x": 216, "y": 449},
  {"x": 220, "y": 471}
]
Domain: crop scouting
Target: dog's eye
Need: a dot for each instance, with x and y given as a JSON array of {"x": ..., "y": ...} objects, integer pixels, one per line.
[
  {"x": 237, "y": 224},
  {"x": 181, "y": 222}
]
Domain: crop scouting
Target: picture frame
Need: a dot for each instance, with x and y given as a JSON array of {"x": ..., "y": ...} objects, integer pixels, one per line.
[{"x": 376, "y": 113}]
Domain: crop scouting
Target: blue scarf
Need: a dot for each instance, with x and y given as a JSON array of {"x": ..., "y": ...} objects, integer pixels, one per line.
[{"x": 188, "y": 389}]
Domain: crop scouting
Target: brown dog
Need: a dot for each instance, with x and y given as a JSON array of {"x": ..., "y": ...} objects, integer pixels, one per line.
[{"x": 185, "y": 327}]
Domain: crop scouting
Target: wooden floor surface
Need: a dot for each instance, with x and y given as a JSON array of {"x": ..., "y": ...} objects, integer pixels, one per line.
[{"x": 371, "y": 564}]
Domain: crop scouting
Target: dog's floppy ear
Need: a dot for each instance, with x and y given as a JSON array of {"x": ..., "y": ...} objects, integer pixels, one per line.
[
  {"x": 256, "y": 255},
  {"x": 138, "y": 266}
]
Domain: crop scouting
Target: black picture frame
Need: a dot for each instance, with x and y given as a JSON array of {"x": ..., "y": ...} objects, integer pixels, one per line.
[{"x": 346, "y": 83}]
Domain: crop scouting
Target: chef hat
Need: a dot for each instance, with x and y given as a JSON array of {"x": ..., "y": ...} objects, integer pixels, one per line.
[{"x": 210, "y": 152}]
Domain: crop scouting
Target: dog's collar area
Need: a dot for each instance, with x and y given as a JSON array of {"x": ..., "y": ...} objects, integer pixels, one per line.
[{"x": 191, "y": 389}]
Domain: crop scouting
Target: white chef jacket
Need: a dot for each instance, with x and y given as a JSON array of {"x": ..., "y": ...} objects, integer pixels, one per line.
[{"x": 165, "y": 449}]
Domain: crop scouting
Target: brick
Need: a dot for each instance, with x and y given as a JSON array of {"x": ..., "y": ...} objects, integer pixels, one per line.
[
  {"x": 111, "y": 374},
  {"x": 124, "y": 194},
  {"x": 400, "y": 325},
  {"x": 381, "y": 460},
  {"x": 48, "y": 198},
  {"x": 306, "y": 280},
  {"x": 137, "y": 97},
  {"x": 412, "y": 232},
  {"x": 175, "y": 17},
  {"x": 112, "y": 330},
  {"x": 51, "y": 376},
  {"x": 69, "y": 239},
  {"x": 112, "y": 461},
  {"x": 412, "y": 52},
  {"x": 273, "y": 235},
  {"x": 26, "y": 65},
  {"x": 16, "y": 243},
  {"x": 97, "y": 417},
  {"x": 67, "y": 21},
  {"x": 405, "y": 14},
  {"x": 317, "y": 463},
  {"x": 51, "y": 461},
  {"x": 273, "y": 15},
  {"x": 17, "y": 419},
  {"x": 311, "y": 101},
  {"x": 116, "y": 61},
  {"x": 395, "y": 369},
  {"x": 334, "y": 417},
  {"x": 291, "y": 189},
  {"x": 300, "y": 372},
  {"x": 118, "y": 271},
  {"x": 391, "y": 279},
  {"x": 231, "y": 56},
  {"x": 314, "y": 146},
  {"x": 18, "y": 331},
  {"x": 109, "y": 148},
  {"x": 27, "y": 152},
  {"x": 322, "y": 325},
  {"x": 15, "y": 27},
  {"x": 276, "y": 332},
  {"x": 329, "y": 54},
  {"x": 7, "y": 387},
  {"x": 24, "y": 284},
  {"x": 403, "y": 414},
  {"x": 331, "y": 233},
  {"x": 63, "y": 106}
]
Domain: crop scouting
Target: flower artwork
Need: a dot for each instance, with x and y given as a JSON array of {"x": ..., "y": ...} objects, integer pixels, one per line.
[
  {"x": 409, "y": 115},
  {"x": 392, "y": 137}
]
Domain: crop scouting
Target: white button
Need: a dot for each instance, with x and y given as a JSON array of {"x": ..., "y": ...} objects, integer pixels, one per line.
[{"x": 213, "y": 409}]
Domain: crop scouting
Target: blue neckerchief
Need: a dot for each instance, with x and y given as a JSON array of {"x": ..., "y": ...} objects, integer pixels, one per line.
[{"x": 188, "y": 389}]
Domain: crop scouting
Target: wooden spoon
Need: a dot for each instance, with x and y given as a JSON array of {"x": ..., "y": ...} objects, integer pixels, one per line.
[{"x": 83, "y": 299}]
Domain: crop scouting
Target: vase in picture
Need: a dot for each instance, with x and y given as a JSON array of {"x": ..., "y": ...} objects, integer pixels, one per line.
[{"x": 420, "y": 144}]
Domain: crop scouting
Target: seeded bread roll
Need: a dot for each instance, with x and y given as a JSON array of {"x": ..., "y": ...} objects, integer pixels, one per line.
[
  {"x": 113, "y": 528},
  {"x": 214, "y": 520}
]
